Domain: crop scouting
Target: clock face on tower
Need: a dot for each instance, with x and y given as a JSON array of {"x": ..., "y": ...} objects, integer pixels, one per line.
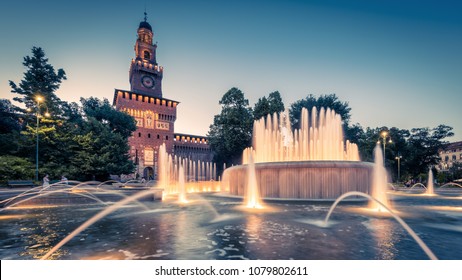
[{"x": 147, "y": 81}]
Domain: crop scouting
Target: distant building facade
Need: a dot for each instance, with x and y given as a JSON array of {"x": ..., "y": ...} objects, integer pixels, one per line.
[
  {"x": 450, "y": 155},
  {"x": 155, "y": 115}
]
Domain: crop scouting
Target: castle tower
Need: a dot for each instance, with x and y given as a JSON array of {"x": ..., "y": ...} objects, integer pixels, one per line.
[
  {"x": 155, "y": 116},
  {"x": 145, "y": 74}
]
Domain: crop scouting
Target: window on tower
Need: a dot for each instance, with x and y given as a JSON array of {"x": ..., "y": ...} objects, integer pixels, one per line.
[{"x": 147, "y": 55}]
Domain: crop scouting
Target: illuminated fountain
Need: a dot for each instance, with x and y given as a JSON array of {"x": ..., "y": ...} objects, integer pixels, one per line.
[
  {"x": 197, "y": 176},
  {"x": 252, "y": 198},
  {"x": 181, "y": 183},
  {"x": 312, "y": 162},
  {"x": 133, "y": 227},
  {"x": 379, "y": 182},
  {"x": 430, "y": 188}
]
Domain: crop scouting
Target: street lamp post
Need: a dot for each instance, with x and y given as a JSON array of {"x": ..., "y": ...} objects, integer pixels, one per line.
[
  {"x": 384, "y": 136},
  {"x": 38, "y": 99},
  {"x": 398, "y": 158}
]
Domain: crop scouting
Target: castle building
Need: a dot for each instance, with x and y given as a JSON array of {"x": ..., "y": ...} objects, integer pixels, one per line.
[{"x": 155, "y": 115}]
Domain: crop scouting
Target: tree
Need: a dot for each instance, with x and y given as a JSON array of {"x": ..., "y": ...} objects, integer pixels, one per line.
[
  {"x": 231, "y": 131},
  {"x": 455, "y": 171},
  {"x": 100, "y": 152},
  {"x": 101, "y": 146},
  {"x": 261, "y": 108},
  {"x": 417, "y": 149},
  {"x": 9, "y": 120},
  {"x": 10, "y": 128},
  {"x": 79, "y": 141},
  {"x": 275, "y": 101},
  {"x": 40, "y": 78},
  {"x": 324, "y": 101},
  {"x": 424, "y": 144},
  {"x": 12, "y": 167},
  {"x": 270, "y": 105},
  {"x": 89, "y": 140},
  {"x": 102, "y": 111}
]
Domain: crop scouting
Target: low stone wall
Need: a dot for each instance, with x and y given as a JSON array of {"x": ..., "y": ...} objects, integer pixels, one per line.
[{"x": 302, "y": 179}]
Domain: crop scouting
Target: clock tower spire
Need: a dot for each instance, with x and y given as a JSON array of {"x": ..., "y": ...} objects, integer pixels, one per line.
[{"x": 145, "y": 73}]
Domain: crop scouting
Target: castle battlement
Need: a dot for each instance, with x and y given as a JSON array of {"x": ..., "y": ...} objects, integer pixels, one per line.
[
  {"x": 119, "y": 95},
  {"x": 189, "y": 138},
  {"x": 138, "y": 65}
]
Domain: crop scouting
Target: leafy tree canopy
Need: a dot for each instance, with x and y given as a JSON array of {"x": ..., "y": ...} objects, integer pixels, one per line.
[
  {"x": 40, "y": 78},
  {"x": 8, "y": 117},
  {"x": 103, "y": 112},
  {"x": 231, "y": 131},
  {"x": 323, "y": 101},
  {"x": 270, "y": 105},
  {"x": 416, "y": 149}
]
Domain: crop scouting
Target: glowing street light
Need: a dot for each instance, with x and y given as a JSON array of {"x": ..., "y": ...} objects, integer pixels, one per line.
[
  {"x": 398, "y": 158},
  {"x": 38, "y": 99},
  {"x": 384, "y": 135}
]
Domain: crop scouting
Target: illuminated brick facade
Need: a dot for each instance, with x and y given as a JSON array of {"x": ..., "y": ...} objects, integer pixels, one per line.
[{"x": 155, "y": 115}]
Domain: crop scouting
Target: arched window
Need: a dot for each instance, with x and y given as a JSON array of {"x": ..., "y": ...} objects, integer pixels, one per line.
[
  {"x": 166, "y": 137},
  {"x": 139, "y": 134},
  {"x": 149, "y": 135},
  {"x": 158, "y": 136},
  {"x": 147, "y": 55}
]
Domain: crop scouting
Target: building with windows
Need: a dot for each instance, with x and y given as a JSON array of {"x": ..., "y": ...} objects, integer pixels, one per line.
[
  {"x": 155, "y": 115},
  {"x": 450, "y": 155}
]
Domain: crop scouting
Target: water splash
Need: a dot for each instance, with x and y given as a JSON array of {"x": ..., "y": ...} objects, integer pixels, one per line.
[
  {"x": 411, "y": 232},
  {"x": 252, "y": 198},
  {"x": 11, "y": 203},
  {"x": 181, "y": 183},
  {"x": 88, "y": 189},
  {"x": 430, "y": 189},
  {"x": 320, "y": 137},
  {"x": 418, "y": 185},
  {"x": 451, "y": 184},
  {"x": 97, "y": 217},
  {"x": 379, "y": 182},
  {"x": 193, "y": 171}
]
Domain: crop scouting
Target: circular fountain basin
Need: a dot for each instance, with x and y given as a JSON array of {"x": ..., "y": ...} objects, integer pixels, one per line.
[{"x": 317, "y": 180}]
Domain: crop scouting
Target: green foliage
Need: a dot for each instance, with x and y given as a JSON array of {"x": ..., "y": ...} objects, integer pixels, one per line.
[
  {"x": 323, "y": 101},
  {"x": 8, "y": 117},
  {"x": 455, "y": 171},
  {"x": 417, "y": 149},
  {"x": 15, "y": 168},
  {"x": 77, "y": 141},
  {"x": 99, "y": 151},
  {"x": 261, "y": 108},
  {"x": 231, "y": 131},
  {"x": 40, "y": 78},
  {"x": 103, "y": 112},
  {"x": 79, "y": 146},
  {"x": 9, "y": 143},
  {"x": 92, "y": 145},
  {"x": 10, "y": 127},
  {"x": 275, "y": 101},
  {"x": 424, "y": 144},
  {"x": 270, "y": 105}
]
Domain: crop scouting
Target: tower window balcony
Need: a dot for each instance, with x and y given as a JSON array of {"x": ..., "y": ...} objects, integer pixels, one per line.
[{"x": 146, "y": 55}]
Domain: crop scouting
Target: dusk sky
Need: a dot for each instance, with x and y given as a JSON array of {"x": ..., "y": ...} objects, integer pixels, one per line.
[{"x": 397, "y": 63}]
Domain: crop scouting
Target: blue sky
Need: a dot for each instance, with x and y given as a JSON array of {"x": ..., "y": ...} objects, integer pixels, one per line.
[{"x": 397, "y": 63}]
